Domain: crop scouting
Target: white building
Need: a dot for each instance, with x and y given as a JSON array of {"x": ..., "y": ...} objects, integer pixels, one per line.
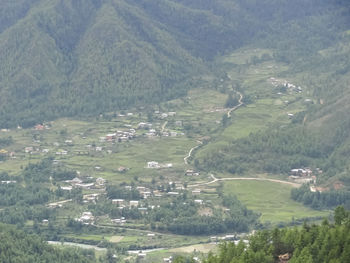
[{"x": 153, "y": 164}]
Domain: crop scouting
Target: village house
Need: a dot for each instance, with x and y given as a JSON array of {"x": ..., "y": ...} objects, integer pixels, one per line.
[
  {"x": 3, "y": 152},
  {"x": 74, "y": 181},
  {"x": 39, "y": 127},
  {"x": 90, "y": 197},
  {"x": 146, "y": 194},
  {"x": 191, "y": 172},
  {"x": 28, "y": 149},
  {"x": 61, "y": 152},
  {"x": 173, "y": 193},
  {"x": 153, "y": 164},
  {"x": 68, "y": 142},
  {"x": 118, "y": 201},
  {"x": 198, "y": 201},
  {"x": 168, "y": 260},
  {"x": 84, "y": 186},
  {"x": 134, "y": 203},
  {"x": 163, "y": 115},
  {"x": 196, "y": 192},
  {"x": 301, "y": 172},
  {"x": 86, "y": 218},
  {"x": 179, "y": 187},
  {"x": 284, "y": 258},
  {"x": 143, "y": 125},
  {"x": 110, "y": 137},
  {"x": 168, "y": 165},
  {"x": 8, "y": 182},
  {"x": 119, "y": 221},
  {"x": 66, "y": 188},
  {"x": 98, "y": 149},
  {"x": 100, "y": 181},
  {"x": 122, "y": 169}
]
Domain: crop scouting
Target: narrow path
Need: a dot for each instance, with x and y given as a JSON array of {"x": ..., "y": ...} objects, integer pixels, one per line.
[
  {"x": 191, "y": 150},
  {"x": 163, "y": 126},
  {"x": 243, "y": 178},
  {"x": 237, "y": 106},
  {"x": 228, "y": 115}
]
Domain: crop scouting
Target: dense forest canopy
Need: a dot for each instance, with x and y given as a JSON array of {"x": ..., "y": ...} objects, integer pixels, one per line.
[
  {"x": 323, "y": 243},
  {"x": 18, "y": 246}
]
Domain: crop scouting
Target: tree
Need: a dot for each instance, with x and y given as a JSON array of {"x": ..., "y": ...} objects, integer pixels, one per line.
[{"x": 340, "y": 215}]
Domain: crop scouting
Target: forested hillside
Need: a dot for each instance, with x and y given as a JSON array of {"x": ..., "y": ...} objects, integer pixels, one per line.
[
  {"x": 17, "y": 246},
  {"x": 74, "y": 58},
  {"x": 324, "y": 243}
]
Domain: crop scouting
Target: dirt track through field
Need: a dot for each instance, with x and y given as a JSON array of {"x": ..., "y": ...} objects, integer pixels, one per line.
[{"x": 244, "y": 178}]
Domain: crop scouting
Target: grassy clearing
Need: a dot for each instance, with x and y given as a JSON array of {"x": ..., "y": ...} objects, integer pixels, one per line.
[
  {"x": 204, "y": 248},
  {"x": 115, "y": 239},
  {"x": 271, "y": 199}
]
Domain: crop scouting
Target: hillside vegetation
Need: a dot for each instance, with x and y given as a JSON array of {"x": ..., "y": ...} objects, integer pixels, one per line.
[
  {"x": 75, "y": 58},
  {"x": 324, "y": 243},
  {"x": 18, "y": 246}
]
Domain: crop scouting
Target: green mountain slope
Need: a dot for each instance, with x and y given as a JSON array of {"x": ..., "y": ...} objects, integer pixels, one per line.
[{"x": 69, "y": 58}]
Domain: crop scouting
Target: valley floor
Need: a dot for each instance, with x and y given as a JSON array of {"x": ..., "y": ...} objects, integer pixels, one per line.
[{"x": 154, "y": 151}]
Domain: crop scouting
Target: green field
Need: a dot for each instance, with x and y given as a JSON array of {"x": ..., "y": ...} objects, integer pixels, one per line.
[
  {"x": 266, "y": 108},
  {"x": 271, "y": 199}
]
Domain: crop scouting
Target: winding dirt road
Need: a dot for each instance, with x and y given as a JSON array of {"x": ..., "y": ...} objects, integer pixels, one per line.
[
  {"x": 228, "y": 115},
  {"x": 237, "y": 106},
  {"x": 163, "y": 126},
  {"x": 243, "y": 178},
  {"x": 190, "y": 152}
]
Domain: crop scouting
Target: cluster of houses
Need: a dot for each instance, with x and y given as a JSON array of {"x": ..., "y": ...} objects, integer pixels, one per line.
[
  {"x": 41, "y": 127},
  {"x": 303, "y": 175},
  {"x": 144, "y": 125},
  {"x": 278, "y": 82},
  {"x": 171, "y": 133},
  {"x": 119, "y": 136},
  {"x": 121, "y": 203},
  {"x": 86, "y": 218},
  {"x": 34, "y": 150},
  {"x": 78, "y": 183},
  {"x": 91, "y": 198}
]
